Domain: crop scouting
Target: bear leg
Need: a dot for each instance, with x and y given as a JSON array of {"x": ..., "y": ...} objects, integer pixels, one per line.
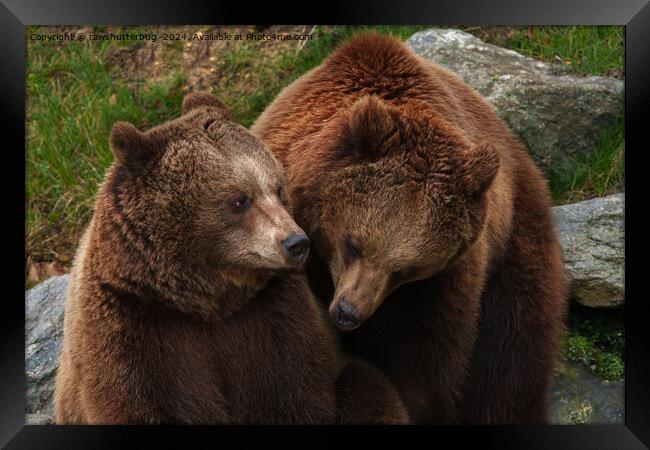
[{"x": 522, "y": 319}]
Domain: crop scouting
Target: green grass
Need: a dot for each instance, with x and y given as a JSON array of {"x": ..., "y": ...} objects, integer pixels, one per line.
[
  {"x": 72, "y": 104},
  {"x": 596, "y": 50},
  {"x": 596, "y": 340},
  {"x": 600, "y": 173},
  {"x": 75, "y": 96}
]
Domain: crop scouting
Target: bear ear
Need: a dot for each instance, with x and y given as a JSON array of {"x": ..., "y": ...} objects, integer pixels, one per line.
[
  {"x": 372, "y": 129},
  {"x": 201, "y": 99},
  {"x": 479, "y": 166},
  {"x": 131, "y": 147}
]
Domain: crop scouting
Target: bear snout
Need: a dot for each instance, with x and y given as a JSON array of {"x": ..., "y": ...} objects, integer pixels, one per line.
[
  {"x": 296, "y": 247},
  {"x": 346, "y": 316}
]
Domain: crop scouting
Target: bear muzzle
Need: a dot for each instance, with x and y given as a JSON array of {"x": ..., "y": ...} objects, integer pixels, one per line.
[
  {"x": 346, "y": 315},
  {"x": 296, "y": 248},
  {"x": 360, "y": 290}
]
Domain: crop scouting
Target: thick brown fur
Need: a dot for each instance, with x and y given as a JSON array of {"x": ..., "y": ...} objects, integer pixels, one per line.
[
  {"x": 435, "y": 225},
  {"x": 182, "y": 309}
]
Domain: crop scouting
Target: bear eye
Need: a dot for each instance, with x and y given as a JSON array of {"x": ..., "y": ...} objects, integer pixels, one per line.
[
  {"x": 241, "y": 203},
  {"x": 352, "y": 248},
  {"x": 405, "y": 273},
  {"x": 281, "y": 195}
]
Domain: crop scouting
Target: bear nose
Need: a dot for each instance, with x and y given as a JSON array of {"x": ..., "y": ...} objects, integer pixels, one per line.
[
  {"x": 347, "y": 316},
  {"x": 296, "y": 247}
]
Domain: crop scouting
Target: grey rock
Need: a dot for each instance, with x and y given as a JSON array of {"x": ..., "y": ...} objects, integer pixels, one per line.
[
  {"x": 593, "y": 240},
  {"x": 39, "y": 419},
  {"x": 559, "y": 117},
  {"x": 578, "y": 397},
  {"x": 44, "y": 308}
]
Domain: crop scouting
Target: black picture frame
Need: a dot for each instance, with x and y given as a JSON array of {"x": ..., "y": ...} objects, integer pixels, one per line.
[{"x": 633, "y": 14}]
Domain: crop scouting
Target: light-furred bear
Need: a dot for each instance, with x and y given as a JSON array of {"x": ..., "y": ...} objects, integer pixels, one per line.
[
  {"x": 434, "y": 241},
  {"x": 186, "y": 303}
]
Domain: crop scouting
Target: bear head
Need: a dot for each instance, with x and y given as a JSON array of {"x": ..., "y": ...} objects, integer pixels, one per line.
[
  {"x": 200, "y": 196},
  {"x": 400, "y": 195}
]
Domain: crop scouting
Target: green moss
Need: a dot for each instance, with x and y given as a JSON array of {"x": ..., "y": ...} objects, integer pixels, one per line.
[{"x": 596, "y": 340}]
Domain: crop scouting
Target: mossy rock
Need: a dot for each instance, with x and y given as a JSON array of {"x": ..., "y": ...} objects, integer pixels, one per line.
[{"x": 578, "y": 397}]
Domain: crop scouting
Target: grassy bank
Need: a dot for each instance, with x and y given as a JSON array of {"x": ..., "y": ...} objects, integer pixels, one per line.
[
  {"x": 73, "y": 101},
  {"x": 77, "y": 90}
]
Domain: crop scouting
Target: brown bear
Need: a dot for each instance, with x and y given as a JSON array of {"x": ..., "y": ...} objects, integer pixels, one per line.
[
  {"x": 185, "y": 303},
  {"x": 435, "y": 226}
]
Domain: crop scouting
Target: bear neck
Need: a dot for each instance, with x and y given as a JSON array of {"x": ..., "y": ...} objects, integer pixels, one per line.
[{"x": 214, "y": 298}]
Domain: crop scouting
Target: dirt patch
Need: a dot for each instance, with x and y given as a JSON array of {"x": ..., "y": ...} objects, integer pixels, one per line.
[
  {"x": 42, "y": 271},
  {"x": 140, "y": 62}
]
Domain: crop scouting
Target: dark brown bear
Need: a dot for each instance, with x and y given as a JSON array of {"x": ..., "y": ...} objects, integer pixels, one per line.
[
  {"x": 183, "y": 306},
  {"x": 435, "y": 226}
]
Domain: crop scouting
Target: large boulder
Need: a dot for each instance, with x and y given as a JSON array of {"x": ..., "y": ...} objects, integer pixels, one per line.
[
  {"x": 560, "y": 117},
  {"x": 593, "y": 239},
  {"x": 44, "y": 308}
]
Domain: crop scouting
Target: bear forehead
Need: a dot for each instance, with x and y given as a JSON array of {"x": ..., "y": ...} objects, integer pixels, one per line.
[
  {"x": 406, "y": 232},
  {"x": 204, "y": 122},
  {"x": 406, "y": 174},
  {"x": 223, "y": 138}
]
